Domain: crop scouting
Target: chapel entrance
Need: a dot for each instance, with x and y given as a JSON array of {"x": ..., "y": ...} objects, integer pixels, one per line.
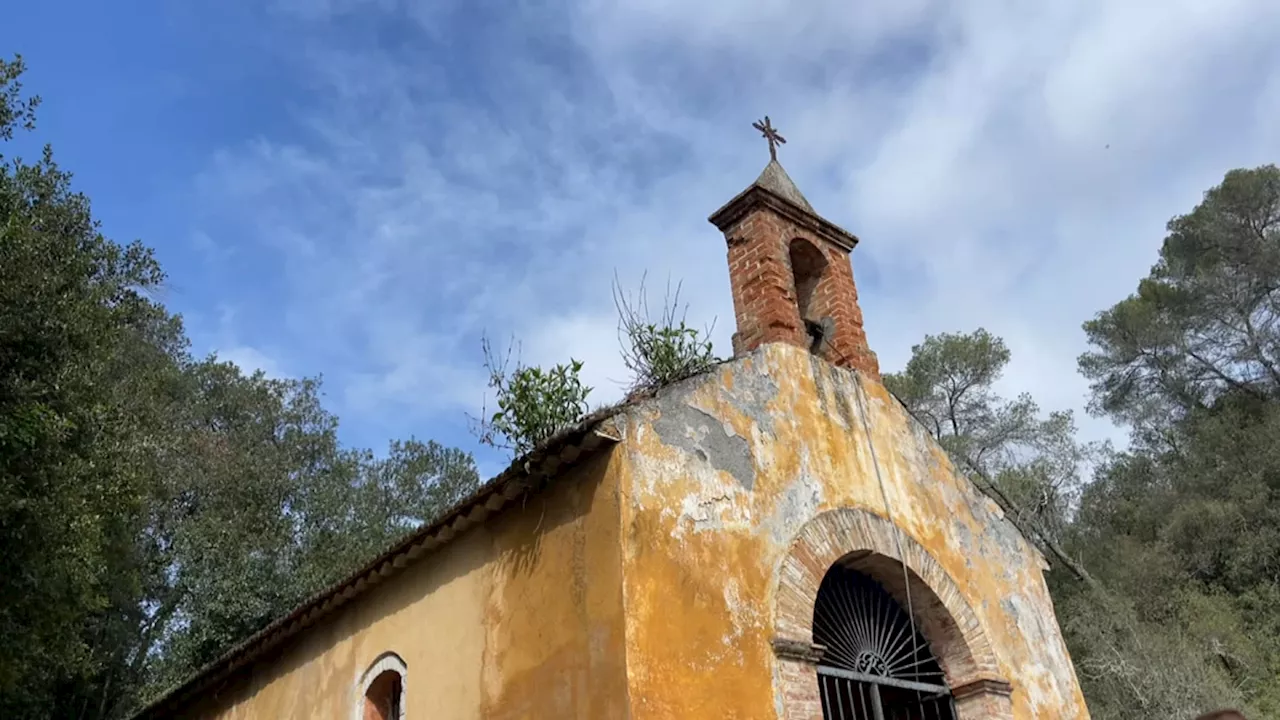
[{"x": 876, "y": 665}]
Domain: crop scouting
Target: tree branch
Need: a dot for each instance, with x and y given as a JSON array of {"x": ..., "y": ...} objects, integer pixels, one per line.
[{"x": 1030, "y": 529}]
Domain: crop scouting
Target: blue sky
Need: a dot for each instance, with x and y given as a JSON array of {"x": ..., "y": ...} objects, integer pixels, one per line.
[{"x": 362, "y": 188}]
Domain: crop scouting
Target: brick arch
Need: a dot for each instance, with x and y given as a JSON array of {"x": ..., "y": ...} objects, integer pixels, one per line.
[{"x": 865, "y": 542}]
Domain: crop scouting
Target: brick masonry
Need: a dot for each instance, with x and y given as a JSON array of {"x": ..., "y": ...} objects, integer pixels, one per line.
[{"x": 765, "y": 233}]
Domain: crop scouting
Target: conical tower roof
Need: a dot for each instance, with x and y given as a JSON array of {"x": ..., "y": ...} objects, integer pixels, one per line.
[
  {"x": 775, "y": 180},
  {"x": 777, "y": 190}
]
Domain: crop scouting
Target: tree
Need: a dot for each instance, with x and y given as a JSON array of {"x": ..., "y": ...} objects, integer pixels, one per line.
[
  {"x": 1183, "y": 527},
  {"x": 155, "y": 508},
  {"x": 82, "y": 349},
  {"x": 1204, "y": 321},
  {"x": 16, "y": 111},
  {"x": 264, "y": 508},
  {"x": 1186, "y": 543},
  {"x": 1033, "y": 463}
]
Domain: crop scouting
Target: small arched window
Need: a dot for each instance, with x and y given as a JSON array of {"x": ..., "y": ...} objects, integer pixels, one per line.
[
  {"x": 807, "y": 265},
  {"x": 381, "y": 690}
]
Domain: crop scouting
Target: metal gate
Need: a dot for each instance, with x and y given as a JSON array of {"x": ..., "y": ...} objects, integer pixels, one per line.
[
  {"x": 855, "y": 696},
  {"x": 875, "y": 665}
]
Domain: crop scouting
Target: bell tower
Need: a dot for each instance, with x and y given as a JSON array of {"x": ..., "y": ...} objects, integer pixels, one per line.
[{"x": 790, "y": 271}]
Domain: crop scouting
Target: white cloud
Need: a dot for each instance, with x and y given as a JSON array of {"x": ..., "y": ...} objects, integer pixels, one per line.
[
  {"x": 415, "y": 370},
  {"x": 1006, "y": 165},
  {"x": 251, "y": 360},
  {"x": 219, "y": 335}
]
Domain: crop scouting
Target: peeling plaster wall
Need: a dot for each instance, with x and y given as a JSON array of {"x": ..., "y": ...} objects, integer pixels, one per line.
[
  {"x": 641, "y": 584},
  {"x": 518, "y": 618},
  {"x": 722, "y": 472}
]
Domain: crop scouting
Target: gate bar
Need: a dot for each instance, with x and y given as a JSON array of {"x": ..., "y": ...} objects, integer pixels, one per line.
[{"x": 881, "y": 680}]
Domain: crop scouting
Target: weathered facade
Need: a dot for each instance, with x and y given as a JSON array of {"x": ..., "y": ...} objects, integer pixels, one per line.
[
  {"x": 742, "y": 489},
  {"x": 664, "y": 560}
]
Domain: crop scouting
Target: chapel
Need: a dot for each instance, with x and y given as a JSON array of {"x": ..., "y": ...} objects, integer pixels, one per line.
[{"x": 774, "y": 538}]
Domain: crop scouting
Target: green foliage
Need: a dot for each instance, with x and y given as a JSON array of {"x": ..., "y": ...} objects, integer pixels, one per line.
[
  {"x": 1204, "y": 321},
  {"x": 533, "y": 404},
  {"x": 154, "y": 508},
  {"x": 659, "y": 351},
  {"x": 1185, "y": 527},
  {"x": 83, "y": 350},
  {"x": 1035, "y": 461},
  {"x": 16, "y": 111},
  {"x": 264, "y": 508},
  {"x": 1191, "y": 538},
  {"x": 1134, "y": 669}
]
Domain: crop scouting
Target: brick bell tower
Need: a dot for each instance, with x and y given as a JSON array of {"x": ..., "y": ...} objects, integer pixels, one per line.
[{"x": 790, "y": 271}]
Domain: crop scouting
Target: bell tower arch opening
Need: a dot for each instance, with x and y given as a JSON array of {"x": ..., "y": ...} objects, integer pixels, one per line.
[{"x": 808, "y": 267}]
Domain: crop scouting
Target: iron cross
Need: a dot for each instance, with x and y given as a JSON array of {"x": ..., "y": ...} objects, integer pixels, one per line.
[{"x": 771, "y": 134}]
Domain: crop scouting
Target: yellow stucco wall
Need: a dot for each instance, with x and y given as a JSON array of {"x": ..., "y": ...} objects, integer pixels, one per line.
[
  {"x": 641, "y": 584},
  {"x": 721, "y": 474},
  {"x": 519, "y": 618}
]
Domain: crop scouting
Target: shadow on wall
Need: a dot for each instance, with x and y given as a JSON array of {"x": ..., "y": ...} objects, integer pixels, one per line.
[
  {"x": 511, "y": 543},
  {"x": 462, "y": 557},
  {"x": 519, "y": 546}
]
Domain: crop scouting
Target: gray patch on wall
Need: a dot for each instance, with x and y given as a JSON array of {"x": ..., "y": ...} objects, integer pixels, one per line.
[
  {"x": 846, "y": 397},
  {"x": 966, "y": 540},
  {"x": 702, "y": 434},
  {"x": 1009, "y": 608},
  {"x": 752, "y": 391},
  {"x": 1000, "y": 530},
  {"x": 798, "y": 504}
]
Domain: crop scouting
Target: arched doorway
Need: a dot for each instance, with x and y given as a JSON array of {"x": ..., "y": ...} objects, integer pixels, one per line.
[
  {"x": 875, "y": 664},
  {"x": 870, "y": 545}
]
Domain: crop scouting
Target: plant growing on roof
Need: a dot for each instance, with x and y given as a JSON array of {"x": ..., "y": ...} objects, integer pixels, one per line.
[
  {"x": 533, "y": 403},
  {"x": 659, "y": 351}
]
